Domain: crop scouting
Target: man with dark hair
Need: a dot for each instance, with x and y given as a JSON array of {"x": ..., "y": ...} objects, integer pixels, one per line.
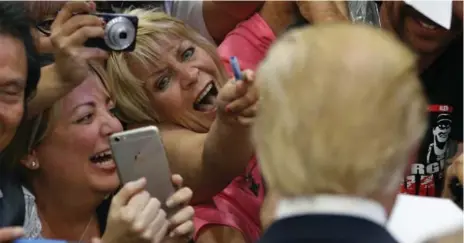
[
  {"x": 19, "y": 75},
  {"x": 440, "y": 61}
]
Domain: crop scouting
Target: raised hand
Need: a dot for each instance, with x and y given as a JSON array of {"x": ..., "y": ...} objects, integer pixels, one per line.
[
  {"x": 237, "y": 100},
  {"x": 69, "y": 32},
  {"x": 323, "y": 11}
]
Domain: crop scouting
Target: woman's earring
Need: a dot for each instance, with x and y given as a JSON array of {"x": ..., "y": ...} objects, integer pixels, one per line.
[{"x": 34, "y": 165}]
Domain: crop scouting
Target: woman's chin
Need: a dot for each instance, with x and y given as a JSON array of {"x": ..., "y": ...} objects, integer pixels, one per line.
[{"x": 105, "y": 183}]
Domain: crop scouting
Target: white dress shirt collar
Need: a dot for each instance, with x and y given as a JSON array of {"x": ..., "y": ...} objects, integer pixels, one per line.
[{"x": 332, "y": 204}]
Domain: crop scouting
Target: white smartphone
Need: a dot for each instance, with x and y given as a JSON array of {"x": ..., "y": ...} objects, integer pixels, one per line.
[{"x": 140, "y": 153}]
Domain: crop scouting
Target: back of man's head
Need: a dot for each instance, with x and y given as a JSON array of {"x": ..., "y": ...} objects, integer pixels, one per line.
[{"x": 341, "y": 109}]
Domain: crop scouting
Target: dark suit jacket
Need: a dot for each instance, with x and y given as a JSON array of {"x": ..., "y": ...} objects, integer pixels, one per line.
[{"x": 326, "y": 229}]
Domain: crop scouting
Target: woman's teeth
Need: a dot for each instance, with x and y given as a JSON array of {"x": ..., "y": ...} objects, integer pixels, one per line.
[
  {"x": 204, "y": 93},
  {"x": 427, "y": 26},
  {"x": 206, "y": 101},
  {"x": 101, "y": 158},
  {"x": 105, "y": 164}
]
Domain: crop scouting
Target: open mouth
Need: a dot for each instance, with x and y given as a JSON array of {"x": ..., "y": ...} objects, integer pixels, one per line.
[
  {"x": 423, "y": 21},
  {"x": 102, "y": 159},
  {"x": 427, "y": 25},
  {"x": 207, "y": 98}
]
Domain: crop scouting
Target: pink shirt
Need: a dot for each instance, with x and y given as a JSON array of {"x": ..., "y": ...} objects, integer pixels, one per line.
[
  {"x": 239, "y": 204},
  {"x": 249, "y": 42}
]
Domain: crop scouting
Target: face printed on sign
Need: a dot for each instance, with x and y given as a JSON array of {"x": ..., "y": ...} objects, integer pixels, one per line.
[{"x": 443, "y": 128}]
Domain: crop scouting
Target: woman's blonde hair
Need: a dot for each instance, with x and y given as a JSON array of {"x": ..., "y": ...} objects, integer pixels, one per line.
[
  {"x": 155, "y": 29},
  {"x": 340, "y": 114}
]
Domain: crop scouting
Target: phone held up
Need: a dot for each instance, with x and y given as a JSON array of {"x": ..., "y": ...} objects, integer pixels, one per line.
[
  {"x": 140, "y": 153},
  {"x": 120, "y": 33}
]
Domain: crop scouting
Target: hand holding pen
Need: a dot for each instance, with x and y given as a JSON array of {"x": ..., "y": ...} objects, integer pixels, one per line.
[{"x": 238, "y": 97}]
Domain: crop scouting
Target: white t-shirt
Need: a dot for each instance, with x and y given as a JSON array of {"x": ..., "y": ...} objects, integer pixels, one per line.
[{"x": 191, "y": 12}]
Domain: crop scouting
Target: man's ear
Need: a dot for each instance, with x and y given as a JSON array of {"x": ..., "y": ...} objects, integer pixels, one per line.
[{"x": 30, "y": 161}]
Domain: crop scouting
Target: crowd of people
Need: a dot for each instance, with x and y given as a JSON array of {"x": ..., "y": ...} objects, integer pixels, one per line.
[{"x": 341, "y": 107}]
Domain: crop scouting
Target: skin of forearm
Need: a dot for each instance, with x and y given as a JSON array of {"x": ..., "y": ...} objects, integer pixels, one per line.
[
  {"x": 49, "y": 89},
  {"x": 226, "y": 152}
]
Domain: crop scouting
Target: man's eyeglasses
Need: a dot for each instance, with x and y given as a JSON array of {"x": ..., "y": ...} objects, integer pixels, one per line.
[{"x": 45, "y": 26}]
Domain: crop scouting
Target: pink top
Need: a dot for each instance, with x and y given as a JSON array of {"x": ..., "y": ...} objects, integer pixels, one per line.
[
  {"x": 249, "y": 42},
  {"x": 239, "y": 204}
]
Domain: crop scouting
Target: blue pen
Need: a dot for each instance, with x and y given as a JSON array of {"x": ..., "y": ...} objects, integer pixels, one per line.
[{"x": 236, "y": 68}]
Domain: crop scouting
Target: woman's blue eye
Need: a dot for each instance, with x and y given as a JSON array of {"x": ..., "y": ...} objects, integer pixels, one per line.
[
  {"x": 187, "y": 54},
  {"x": 114, "y": 111},
  {"x": 162, "y": 83}
]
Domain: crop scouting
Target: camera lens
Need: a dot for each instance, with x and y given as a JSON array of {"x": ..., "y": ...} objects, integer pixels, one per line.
[
  {"x": 119, "y": 33},
  {"x": 117, "y": 139}
]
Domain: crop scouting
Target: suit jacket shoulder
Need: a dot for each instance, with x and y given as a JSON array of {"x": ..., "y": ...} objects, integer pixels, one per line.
[{"x": 326, "y": 228}]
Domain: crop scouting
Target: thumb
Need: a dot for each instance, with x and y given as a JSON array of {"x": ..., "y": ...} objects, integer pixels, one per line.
[
  {"x": 127, "y": 191},
  {"x": 248, "y": 76}
]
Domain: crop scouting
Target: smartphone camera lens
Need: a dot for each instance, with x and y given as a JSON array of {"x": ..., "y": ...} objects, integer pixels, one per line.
[{"x": 117, "y": 139}]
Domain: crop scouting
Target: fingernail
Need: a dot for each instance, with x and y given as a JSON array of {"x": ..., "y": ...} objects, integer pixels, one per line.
[
  {"x": 172, "y": 234},
  {"x": 169, "y": 203},
  {"x": 141, "y": 180}
]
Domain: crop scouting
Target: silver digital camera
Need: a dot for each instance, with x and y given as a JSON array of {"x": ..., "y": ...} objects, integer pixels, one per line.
[{"x": 120, "y": 33}]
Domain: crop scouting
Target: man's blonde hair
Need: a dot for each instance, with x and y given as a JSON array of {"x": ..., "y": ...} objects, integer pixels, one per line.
[
  {"x": 341, "y": 107},
  {"x": 155, "y": 29}
]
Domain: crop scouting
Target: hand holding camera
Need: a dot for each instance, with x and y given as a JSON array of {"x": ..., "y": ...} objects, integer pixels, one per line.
[
  {"x": 69, "y": 32},
  {"x": 79, "y": 35}
]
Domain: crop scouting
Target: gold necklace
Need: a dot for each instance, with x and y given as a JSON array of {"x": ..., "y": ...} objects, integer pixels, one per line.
[
  {"x": 85, "y": 230},
  {"x": 83, "y": 233}
]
